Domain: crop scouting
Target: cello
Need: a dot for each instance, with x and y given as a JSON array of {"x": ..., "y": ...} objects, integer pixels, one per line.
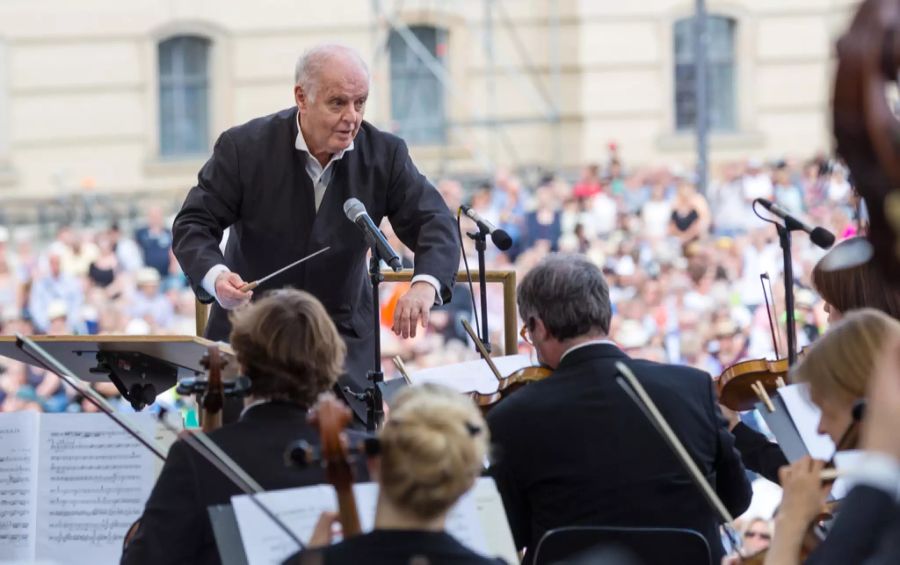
[{"x": 331, "y": 416}]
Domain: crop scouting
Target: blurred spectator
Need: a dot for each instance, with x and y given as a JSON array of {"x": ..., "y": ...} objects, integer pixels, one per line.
[
  {"x": 728, "y": 207},
  {"x": 542, "y": 226},
  {"x": 148, "y": 303},
  {"x": 127, "y": 251},
  {"x": 690, "y": 214},
  {"x": 757, "y": 181},
  {"x": 589, "y": 183},
  {"x": 787, "y": 195},
  {"x": 656, "y": 213},
  {"x": 155, "y": 240},
  {"x": 54, "y": 285},
  {"x": 102, "y": 270}
]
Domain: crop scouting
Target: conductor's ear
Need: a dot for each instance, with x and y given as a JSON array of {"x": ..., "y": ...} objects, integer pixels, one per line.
[{"x": 300, "y": 98}]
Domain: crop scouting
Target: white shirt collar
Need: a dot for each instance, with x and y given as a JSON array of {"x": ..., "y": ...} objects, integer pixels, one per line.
[
  {"x": 300, "y": 144},
  {"x": 585, "y": 344},
  {"x": 254, "y": 404}
]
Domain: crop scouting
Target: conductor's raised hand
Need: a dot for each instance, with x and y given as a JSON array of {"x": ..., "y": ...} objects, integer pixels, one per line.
[
  {"x": 228, "y": 290},
  {"x": 412, "y": 308}
]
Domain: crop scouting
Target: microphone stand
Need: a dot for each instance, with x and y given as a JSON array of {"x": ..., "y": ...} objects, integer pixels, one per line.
[
  {"x": 480, "y": 238},
  {"x": 374, "y": 401},
  {"x": 784, "y": 238}
]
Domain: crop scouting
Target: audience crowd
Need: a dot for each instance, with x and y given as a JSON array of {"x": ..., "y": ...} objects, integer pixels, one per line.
[{"x": 683, "y": 267}]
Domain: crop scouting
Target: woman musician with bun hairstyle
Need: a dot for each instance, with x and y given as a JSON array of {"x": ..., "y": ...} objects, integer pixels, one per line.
[
  {"x": 432, "y": 450},
  {"x": 843, "y": 290}
]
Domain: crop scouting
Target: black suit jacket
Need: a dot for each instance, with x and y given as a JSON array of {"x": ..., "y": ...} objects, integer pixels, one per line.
[
  {"x": 758, "y": 453},
  {"x": 175, "y": 525},
  {"x": 256, "y": 183},
  {"x": 573, "y": 449},
  {"x": 866, "y": 530}
]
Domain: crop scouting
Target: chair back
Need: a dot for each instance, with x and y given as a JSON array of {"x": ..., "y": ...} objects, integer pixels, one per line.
[{"x": 649, "y": 546}]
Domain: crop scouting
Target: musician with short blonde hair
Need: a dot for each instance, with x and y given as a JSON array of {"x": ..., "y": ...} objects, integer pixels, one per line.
[{"x": 432, "y": 450}]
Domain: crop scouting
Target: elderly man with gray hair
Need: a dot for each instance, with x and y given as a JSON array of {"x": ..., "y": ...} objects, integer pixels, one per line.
[
  {"x": 280, "y": 182},
  {"x": 573, "y": 449}
]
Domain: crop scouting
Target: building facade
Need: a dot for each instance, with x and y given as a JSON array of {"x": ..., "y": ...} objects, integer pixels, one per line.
[{"x": 117, "y": 96}]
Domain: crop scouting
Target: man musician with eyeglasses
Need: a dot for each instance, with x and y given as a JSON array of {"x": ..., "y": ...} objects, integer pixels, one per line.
[{"x": 573, "y": 449}]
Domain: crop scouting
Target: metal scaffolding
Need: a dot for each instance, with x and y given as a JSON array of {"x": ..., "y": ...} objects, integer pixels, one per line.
[{"x": 482, "y": 120}]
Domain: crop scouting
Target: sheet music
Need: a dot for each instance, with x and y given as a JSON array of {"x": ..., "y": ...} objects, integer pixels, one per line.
[
  {"x": 493, "y": 520},
  {"x": 806, "y": 416},
  {"x": 471, "y": 375},
  {"x": 18, "y": 481},
  {"x": 299, "y": 508},
  {"x": 93, "y": 481}
]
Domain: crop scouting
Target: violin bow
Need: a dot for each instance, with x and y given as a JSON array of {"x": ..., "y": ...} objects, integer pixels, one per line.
[
  {"x": 482, "y": 349},
  {"x": 771, "y": 311},
  {"x": 636, "y": 392}
]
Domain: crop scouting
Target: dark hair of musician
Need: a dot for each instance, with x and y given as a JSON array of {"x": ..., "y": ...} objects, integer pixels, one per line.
[
  {"x": 433, "y": 448},
  {"x": 568, "y": 293},
  {"x": 860, "y": 286},
  {"x": 287, "y": 346}
]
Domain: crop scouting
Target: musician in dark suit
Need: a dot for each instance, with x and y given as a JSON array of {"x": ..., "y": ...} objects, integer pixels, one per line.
[
  {"x": 289, "y": 348},
  {"x": 573, "y": 449},
  {"x": 280, "y": 182}
]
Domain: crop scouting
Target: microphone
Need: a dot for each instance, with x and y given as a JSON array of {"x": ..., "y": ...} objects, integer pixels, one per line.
[
  {"x": 500, "y": 238},
  {"x": 820, "y": 236},
  {"x": 356, "y": 213}
]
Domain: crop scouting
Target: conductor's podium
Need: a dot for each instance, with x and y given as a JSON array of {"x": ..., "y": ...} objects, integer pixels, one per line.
[{"x": 139, "y": 366}]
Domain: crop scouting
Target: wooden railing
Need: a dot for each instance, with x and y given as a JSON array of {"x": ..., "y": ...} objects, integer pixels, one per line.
[{"x": 506, "y": 278}]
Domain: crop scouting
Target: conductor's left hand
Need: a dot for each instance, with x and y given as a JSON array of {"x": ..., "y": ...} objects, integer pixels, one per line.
[{"x": 412, "y": 308}]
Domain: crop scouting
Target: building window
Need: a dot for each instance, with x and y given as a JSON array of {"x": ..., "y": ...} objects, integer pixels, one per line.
[
  {"x": 184, "y": 96},
  {"x": 417, "y": 95},
  {"x": 721, "y": 74}
]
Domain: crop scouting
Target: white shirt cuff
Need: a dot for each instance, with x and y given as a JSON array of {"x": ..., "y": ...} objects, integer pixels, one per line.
[
  {"x": 209, "y": 280},
  {"x": 877, "y": 470},
  {"x": 438, "y": 301}
]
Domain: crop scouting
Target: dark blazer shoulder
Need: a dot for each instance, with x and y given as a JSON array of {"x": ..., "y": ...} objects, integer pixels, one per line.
[{"x": 277, "y": 121}]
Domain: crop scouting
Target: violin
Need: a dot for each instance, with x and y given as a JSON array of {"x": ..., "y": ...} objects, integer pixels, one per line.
[
  {"x": 735, "y": 386},
  {"x": 331, "y": 416},
  {"x": 738, "y": 385},
  {"x": 505, "y": 385}
]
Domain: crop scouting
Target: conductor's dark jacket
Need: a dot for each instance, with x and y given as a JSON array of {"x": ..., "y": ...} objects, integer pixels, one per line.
[
  {"x": 256, "y": 183},
  {"x": 574, "y": 449}
]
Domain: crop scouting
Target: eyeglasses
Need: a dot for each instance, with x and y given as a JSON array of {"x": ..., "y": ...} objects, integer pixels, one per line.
[
  {"x": 760, "y": 535},
  {"x": 523, "y": 333}
]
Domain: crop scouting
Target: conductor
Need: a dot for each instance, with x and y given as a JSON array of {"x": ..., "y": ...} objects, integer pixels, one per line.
[{"x": 280, "y": 182}]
